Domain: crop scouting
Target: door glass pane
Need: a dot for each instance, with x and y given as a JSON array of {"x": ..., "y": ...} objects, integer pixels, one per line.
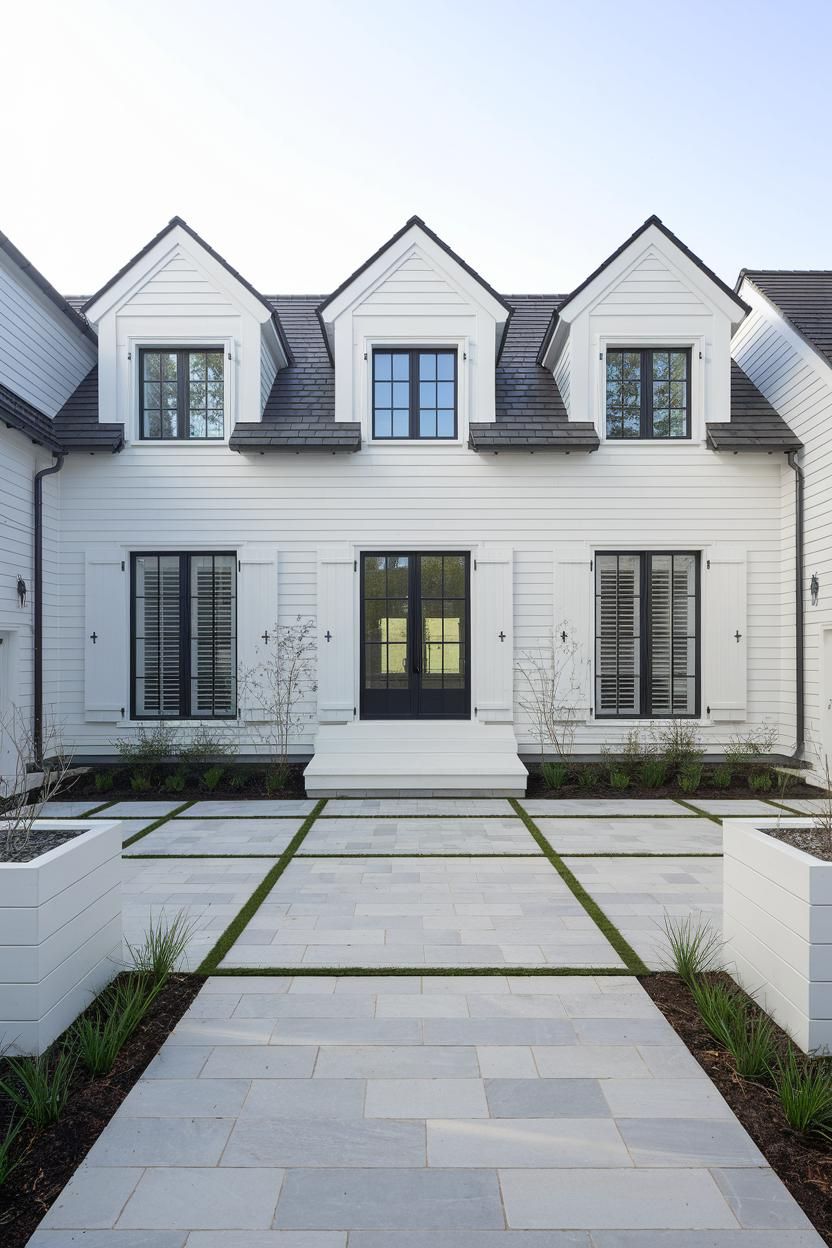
[{"x": 397, "y": 576}]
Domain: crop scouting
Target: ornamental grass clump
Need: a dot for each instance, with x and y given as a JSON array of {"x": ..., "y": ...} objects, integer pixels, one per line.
[
  {"x": 554, "y": 775},
  {"x": 694, "y": 946},
  {"x": 804, "y": 1086},
  {"x": 162, "y": 950},
  {"x": 8, "y": 1161},
  {"x": 653, "y": 773},
  {"x": 40, "y": 1086},
  {"x": 619, "y": 780},
  {"x": 690, "y": 777},
  {"x": 99, "y": 1035}
]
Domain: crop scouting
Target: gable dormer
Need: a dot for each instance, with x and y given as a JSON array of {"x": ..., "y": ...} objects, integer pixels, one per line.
[
  {"x": 642, "y": 348},
  {"x": 187, "y": 347},
  {"x": 415, "y": 335}
]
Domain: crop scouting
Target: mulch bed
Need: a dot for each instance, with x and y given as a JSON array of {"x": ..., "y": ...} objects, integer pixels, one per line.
[
  {"x": 814, "y": 841},
  {"x": 53, "y": 1153},
  {"x": 251, "y": 784},
  {"x": 804, "y": 1164},
  {"x": 602, "y": 788}
]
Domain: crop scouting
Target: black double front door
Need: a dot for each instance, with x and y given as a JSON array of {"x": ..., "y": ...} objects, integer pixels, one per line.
[{"x": 415, "y": 635}]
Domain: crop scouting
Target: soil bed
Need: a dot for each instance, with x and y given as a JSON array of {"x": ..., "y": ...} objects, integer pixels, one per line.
[
  {"x": 602, "y": 788},
  {"x": 249, "y": 783},
  {"x": 803, "y": 1163},
  {"x": 52, "y": 1154},
  {"x": 39, "y": 841},
  {"x": 814, "y": 841}
]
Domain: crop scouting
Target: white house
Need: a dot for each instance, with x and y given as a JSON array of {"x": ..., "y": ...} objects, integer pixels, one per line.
[{"x": 458, "y": 486}]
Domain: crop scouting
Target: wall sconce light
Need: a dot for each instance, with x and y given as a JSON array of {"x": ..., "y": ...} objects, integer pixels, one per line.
[
  {"x": 814, "y": 588},
  {"x": 21, "y": 592}
]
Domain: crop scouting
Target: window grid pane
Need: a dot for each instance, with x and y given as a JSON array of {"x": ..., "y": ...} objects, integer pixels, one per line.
[
  {"x": 182, "y": 394},
  {"x": 414, "y": 394},
  {"x": 648, "y": 393}
]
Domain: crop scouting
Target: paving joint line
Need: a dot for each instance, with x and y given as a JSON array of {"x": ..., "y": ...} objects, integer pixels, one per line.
[
  {"x": 411, "y": 972},
  {"x": 137, "y": 836},
  {"x": 621, "y": 946},
  {"x": 245, "y": 914}
]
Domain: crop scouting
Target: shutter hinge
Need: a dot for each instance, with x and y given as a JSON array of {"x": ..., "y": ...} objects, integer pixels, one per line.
[
  {"x": 465, "y": 355},
  {"x": 591, "y": 565},
  {"x": 707, "y": 710},
  {"x": 475, "y": 565},
  {"x": 354, "y": 711},
  {"x": 708, "y": 564},
  {"x": 122, "y": 565},
  {"x": 129, "y": 355},
  {"x": 600, "y": 355},
  {"x": 365, "y": 355},
  {"x": 355, "y": 565},
  {"x": 122, "y": 712},
  {"x": 239, "y": 713},
  {"x": 476, "y": 708},
  {"x": 239, "y": 565}
]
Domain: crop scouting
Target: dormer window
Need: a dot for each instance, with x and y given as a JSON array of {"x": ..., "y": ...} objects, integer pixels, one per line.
[
  {"x": 648, "y": 393},
  {"x": 182, "y": 393},
  {"x": 414, "y": 394}
]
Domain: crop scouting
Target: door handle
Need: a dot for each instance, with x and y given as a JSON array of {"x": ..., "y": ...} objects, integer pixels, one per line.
[{"x": 417, "y": 666}]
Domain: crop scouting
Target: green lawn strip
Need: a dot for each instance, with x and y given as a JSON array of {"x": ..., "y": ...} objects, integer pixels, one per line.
[
  {"x": 622, "y": 947},
  {"x": 696, "y": 810},
  {"x": 641, "y": 853},
  {"x": 777, "y": 808},
  {"x": 137, "y": 836},
  {"x": 341, "y": 972},
  {"x": 212, "y": 959},
  {"x": 95, "y": 810},
  {"x": 416, "y": 854}
]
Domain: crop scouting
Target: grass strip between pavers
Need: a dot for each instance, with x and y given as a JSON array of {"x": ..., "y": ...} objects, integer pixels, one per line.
[
  {"x": 137, "y": 836},
  {"x": 212, "y": 959},
  {"x": 622, "y": 947},
  {"x": 411, "y": 972}
]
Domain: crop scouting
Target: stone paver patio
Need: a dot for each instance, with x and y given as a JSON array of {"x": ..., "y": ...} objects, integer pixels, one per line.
[{"x": 424, "y": 1111}]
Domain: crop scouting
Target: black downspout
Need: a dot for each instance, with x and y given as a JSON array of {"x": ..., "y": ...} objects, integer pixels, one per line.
[
  {"x": 800, "y": 728},
  {"x": 37, "y": 733}
]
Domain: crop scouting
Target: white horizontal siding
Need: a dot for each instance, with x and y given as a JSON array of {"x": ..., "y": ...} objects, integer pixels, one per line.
[
  {"x": 799, "y": 384},
  {"x": 562, "y": 374},
  {"x": 651, "y": 288},
  {"x": 402, "y": 498},
  {"x": 268, "y": 372},
  {"x": 413, "y": 287},
  {"x": 42, "y": 356}
]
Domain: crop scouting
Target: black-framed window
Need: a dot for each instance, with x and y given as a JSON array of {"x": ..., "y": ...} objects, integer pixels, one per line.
[
  {"x": 183, "y": 621},
  {"x": 648, "y": 392},
  {"x": 181, "y": 393},
  {"x": 414, "y": 393},
  {"x": 647, "y": 613}
]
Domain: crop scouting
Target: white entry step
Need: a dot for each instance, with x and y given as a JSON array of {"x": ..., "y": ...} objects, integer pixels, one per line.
[{"x": 415, "y": 758}]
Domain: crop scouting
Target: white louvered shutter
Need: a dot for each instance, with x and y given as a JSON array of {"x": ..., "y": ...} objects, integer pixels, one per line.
[
  {"x": 257, "y": 617},
  {"x": 725, "y": 642},
  {"x": 213, "y": 635},
  {"x": 493, "y": 631},
  {"x": 572, "y": 632},
  {"x": 106, "y": 637},
  {"x": 617, "y": 635},
  {"x": 672, "y": 580},
  {"x": 157, "y": 614}
]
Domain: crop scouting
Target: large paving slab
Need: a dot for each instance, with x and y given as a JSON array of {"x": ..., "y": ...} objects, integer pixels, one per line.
[
  {"x": 219, "y": 836},
  {"x": 620, "y": 807},
  {"x": 733, "y": 807},
  {"x": 805, "y": 805},
  {"x": 632, "y": 836},
  {"x": 638, "y": 893},
  {"x": 138, "y": 810},
  {"x": 69, "y": 810},
  {"x": 415, "y": 912},
  {"x": 208, "y": 893},
  {"x": 257, "y": 808},
  {"x": 322, "y": 1143},
  {"x": 414, "y": 807},
  {"x": 424, "y": 835}
]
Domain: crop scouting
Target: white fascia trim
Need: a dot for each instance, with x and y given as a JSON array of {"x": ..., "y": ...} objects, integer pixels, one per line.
[
  {"x": 148, "y": 265},
  {"x": 653, "y": 240},
  {"x": 415, "y": 240}
]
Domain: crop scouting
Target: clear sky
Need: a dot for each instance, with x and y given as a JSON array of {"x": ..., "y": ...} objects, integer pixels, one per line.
[{"x": 296, "y": 137}]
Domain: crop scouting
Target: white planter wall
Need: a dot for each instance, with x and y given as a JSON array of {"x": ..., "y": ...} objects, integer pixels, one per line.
[
  {"x": 60, "y": 934},
  {"x": 777, "y": 927}
]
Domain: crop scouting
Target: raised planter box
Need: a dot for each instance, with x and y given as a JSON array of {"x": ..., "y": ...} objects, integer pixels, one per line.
[
  {"x": 777, "y": 926},
  {"x": 60, "y": 933}
]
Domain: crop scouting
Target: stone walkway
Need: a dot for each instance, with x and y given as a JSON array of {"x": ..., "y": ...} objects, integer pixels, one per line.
[{"x": 424, "y": 1110}]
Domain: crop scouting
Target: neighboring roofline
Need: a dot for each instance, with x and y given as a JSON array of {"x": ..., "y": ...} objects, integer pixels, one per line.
[
  {"x": 642, "y": 229},
  {"x": 183, "y": 225},
  {"x": 17, "y": 257},
  {"x": 21, "y": 415},
  {"x": 745, "y": 275},
  {"x": 409, "y": 224}
]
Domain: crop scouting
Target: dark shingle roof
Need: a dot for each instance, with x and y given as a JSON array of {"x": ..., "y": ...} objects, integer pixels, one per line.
[
  {"x": 76, "y": 424},
  {"x": 754, "y": 424},
  {"x": 300, "y": 411},
  {"x": 804, "y": 296},
  {"x": 16, "y": 413},
  {"x": 531, "y": 414}
]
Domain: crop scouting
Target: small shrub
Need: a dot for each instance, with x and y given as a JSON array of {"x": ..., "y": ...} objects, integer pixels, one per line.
[
  {"x": 805, "y": 1091},
  {"x": 150, "y": 745},
  {"x": 554, "y": 775},
  {"x": 163, "y": 948},
  {"x": 619, "y": 779},
  {"x": 743, "y": 749},
  {"x": 679, "y": 743},
  {"x": 8, "y": 1162},
  {"x": 104, "y": 781},
  {"x": 277, "y": 777},
  {"x": 238, "y": 779},
  {"x": 211, "y": 778},
  {"x": 723, "y": 1010},
  {"x": 690, "y": 777},
  {"x": 99, "y": 1036},
  {"x": 722, "y": 776},
  {"x": 40, "y": 1087},
  {"x": 206, "y": 746},
  {"x": 694, "y": 947},
  {"x": 760, "y": 782},
  {"x": 588, "y": 778},
  {"x": 653, "y": 773},
  {"x": 176, "y": 781},
  {"x": 141, "y": 780}
]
